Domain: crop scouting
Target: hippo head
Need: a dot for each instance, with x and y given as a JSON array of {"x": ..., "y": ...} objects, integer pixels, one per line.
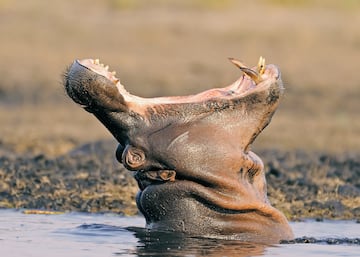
[{"x": 191, "y": 154}]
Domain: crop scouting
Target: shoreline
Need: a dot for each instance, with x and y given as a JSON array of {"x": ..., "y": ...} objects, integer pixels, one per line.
[{"x": 303, "y": 185}]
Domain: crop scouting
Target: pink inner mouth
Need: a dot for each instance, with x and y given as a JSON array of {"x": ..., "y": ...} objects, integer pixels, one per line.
[
  {"x": 242, "y": 87},
  {"x": 99, "y": 68}
]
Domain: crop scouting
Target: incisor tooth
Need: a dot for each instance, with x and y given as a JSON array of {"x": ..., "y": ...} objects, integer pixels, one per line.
[
  {"x": 261, "y": 65},
  {"x": 251, "y": 73},
  {"x": 107, "y": 67},
  {"x": 113, "y": 73},
  {"x": 97, "y": 61}
]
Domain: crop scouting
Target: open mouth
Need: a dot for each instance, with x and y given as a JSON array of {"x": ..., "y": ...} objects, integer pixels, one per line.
[
  {"x": 236, "y": 113},
  {"x": 99, "y": 68},
  {"x": 254, "y": 79}
]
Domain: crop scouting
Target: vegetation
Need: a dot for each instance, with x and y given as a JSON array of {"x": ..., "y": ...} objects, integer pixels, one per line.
[{"x": 180, "y": 47}]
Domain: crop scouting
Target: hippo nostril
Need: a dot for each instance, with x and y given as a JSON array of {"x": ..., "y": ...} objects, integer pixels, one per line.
[{"x": 133, "y": 158}]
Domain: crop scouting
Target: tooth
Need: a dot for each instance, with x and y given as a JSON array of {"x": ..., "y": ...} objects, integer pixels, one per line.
[
  {"x": 261, "y": 65},
  {"x": 97, "y": 61},
  {"x": 107, "y": 67},
  {"x": 113, "y": 73},
  {"x": 251, "y": 73},
  {"x": 102, "y": 65},
  {"x": 237, "y": 63}
]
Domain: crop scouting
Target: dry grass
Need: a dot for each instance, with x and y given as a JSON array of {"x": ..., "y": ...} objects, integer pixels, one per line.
[{"x": 162, "y": 48}]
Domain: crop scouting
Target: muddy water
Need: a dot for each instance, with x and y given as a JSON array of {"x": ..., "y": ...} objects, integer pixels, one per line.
[{"x": 79, "y": 234}]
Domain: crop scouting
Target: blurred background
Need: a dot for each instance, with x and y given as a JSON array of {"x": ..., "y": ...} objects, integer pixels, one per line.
[{"x": 180, "y": 47}]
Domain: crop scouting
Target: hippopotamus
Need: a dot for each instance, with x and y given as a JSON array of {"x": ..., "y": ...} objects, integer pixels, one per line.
[{"x": 191, "y": 154}]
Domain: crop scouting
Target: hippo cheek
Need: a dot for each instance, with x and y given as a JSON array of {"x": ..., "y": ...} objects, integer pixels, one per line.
[
  {"x": 192, "y": 151},
  {"x": 203, "y": 149}
]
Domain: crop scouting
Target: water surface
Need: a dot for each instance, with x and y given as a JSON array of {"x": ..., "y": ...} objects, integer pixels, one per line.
[{"x": 81, "y": 234}]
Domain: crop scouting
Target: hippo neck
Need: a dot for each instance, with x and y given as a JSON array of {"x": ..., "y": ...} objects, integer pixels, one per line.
[
  {"x": 239, "y": 192},
  {"x": 221, "y": 211}
]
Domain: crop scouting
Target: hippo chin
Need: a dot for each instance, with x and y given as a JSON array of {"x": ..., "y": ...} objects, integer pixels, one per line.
[{"x": 190, "y": 154}]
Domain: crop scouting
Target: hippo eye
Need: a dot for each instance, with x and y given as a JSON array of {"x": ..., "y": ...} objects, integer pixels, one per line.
[
  {"x": 133, "y": 158},
  {"x": 119, "y": 152}
]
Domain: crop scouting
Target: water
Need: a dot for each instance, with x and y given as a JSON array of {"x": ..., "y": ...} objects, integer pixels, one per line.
[{"x": 79, "y": 234}]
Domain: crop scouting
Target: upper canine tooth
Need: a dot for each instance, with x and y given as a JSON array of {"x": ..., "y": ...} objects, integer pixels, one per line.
[
  {"x": 261, "y": 65},
  {"x": 238, "y": 63},
  {"x": 256, "y": 77}
]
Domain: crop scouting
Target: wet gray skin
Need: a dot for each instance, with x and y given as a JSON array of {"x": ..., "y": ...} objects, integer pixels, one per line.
[{"x": 190, "y": 154}]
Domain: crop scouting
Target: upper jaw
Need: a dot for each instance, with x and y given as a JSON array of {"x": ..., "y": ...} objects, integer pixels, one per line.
[{"x": 99, "y": 68}]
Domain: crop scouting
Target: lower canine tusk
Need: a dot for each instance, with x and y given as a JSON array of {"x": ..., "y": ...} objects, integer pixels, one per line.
[{"x": 255, "y": 76}]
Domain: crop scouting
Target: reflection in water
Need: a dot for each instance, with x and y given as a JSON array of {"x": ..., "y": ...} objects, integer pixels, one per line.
[
  {"x": 153, "y": 243},
  {"x": 110, "y": 235},
  {"x": 161, "y": 243}
]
